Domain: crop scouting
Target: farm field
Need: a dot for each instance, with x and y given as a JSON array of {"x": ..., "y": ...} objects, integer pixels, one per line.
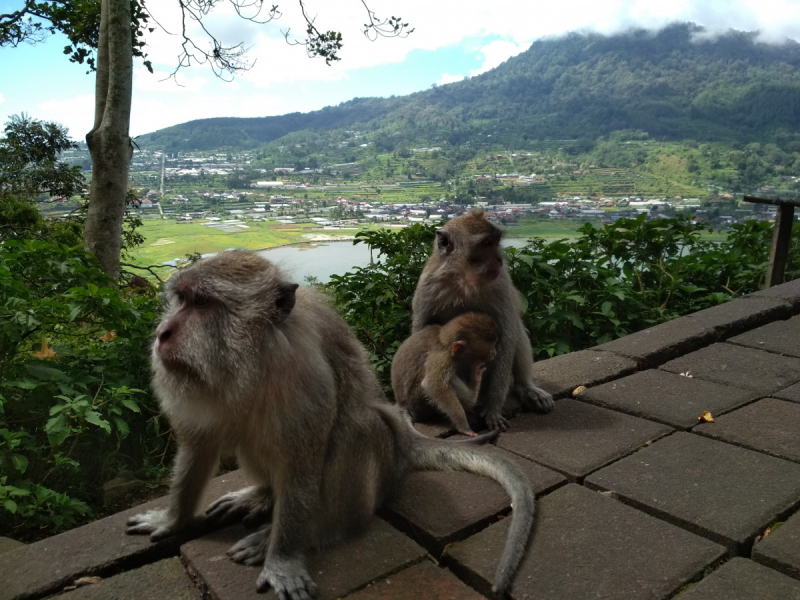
[{"x": 167, "y": 240}]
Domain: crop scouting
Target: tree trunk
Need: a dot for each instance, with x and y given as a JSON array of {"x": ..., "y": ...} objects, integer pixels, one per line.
[{"x": 109, "y": 142}]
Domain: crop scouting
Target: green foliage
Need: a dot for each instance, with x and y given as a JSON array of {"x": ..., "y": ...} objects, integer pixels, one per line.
[
  {"x": 73, "y": 367},
  {"x": 376, "y": 300}
]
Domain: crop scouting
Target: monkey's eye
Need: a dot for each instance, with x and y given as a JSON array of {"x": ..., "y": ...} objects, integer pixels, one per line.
[
  {"x": 201, "y": 299},
  {"x": 181, "y": 297}
]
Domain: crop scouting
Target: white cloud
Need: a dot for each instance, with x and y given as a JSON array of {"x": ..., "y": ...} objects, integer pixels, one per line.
[
  {"x": 75, "y": 113},
  {"x": 496, "y": 53},
  {"x": 447, "y": 78}
]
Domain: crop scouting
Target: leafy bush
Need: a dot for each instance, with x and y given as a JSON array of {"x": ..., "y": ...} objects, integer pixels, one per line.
[{"x": 73, "y": 367}]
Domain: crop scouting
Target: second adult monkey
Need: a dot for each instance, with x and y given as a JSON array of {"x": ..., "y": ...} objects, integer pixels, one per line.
[
  {"x": 465, "y": 273},
  {"x": 438, "y": 370}
]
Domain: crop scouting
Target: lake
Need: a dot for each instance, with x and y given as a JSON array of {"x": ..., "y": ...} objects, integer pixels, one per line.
[{"x": 323, "y": 259}]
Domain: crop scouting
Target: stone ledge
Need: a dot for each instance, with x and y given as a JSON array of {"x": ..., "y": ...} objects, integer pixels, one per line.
[
  {"x": 339, "y": 570},
  {"x": 99, "y": 548},
  {"x": 165, "y": 579},
  {"x": 436, "y": 508},
  {"x": 742, "y": 579},
  {"x": 723, "y": 492},
  {"x": 577, "y": 438},
  {"x": 654, "y": 346},
  {"x": 586, "y": 545},
  {"x": 781, "y": 549},
  {"x": 423, "y": 581},
  {"x": 786, "y": 292},
  {"x": 560, "y": 375},
  {"x": 666, "y": 397}
]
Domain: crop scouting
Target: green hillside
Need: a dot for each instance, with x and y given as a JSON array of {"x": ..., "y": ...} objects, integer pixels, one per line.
[{"x": 673, "y": 85}]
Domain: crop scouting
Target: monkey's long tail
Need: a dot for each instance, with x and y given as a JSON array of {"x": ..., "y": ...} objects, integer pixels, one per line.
[{"x": 440, "y": 455}]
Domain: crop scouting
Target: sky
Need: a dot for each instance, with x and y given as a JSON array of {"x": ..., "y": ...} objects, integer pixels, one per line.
[{"x": 452, "y": 39}]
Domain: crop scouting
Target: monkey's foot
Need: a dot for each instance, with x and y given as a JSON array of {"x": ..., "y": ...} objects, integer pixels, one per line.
[
  {"x": 535, "y": 398},
  {"x": 251, "y": 505},
  {"x": 158, "y": 523},
  {"x": 288, "y": 577},
  {"x": 251, "y": 549},
  {"x": 496, "y": 421},
  {"x": 467, "y": 432}
]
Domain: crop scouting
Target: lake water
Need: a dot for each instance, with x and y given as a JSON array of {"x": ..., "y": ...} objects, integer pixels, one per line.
[{"x": 323, "y": 259}]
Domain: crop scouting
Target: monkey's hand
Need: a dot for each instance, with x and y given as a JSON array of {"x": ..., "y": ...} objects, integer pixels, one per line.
[
  {"x": 478, "y": 369},
  {"x": 158, "y": 523},
  {"x": 495, "y": 420},
  {"x": 536, "y": 399},
  {"x": 289, "y": 578},
  {"x": 251, "y": 505}
]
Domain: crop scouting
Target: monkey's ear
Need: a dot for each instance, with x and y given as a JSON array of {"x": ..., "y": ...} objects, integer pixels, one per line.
[
  {"x": 458, "y": 347},
  {"x": 285, "y": 301},
  {"x": 443, "y": 241}
]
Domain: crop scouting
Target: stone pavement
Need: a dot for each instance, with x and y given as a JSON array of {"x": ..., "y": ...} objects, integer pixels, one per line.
[{"x": 637, "y": 497}]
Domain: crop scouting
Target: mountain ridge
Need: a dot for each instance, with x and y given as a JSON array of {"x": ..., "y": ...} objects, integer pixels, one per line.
[{"x": 673, "y": 84}]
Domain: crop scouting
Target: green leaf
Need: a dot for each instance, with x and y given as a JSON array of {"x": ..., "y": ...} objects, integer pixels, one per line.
[
  {"x": 130, "y": 405},
  {"x": 20, "y": 462},
  {"x": 10, "y": 505},
  {"x": 57, "y": 430},
  {"x": 95, "y": 418}
]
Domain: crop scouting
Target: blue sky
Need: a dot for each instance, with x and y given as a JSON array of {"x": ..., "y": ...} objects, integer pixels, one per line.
[{"x": 452, "y": 39}]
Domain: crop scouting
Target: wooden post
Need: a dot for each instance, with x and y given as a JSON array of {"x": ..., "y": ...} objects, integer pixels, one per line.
[{"x": 779, "y": 253}]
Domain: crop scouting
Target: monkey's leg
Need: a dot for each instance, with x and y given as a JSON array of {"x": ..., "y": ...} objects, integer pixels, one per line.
[
  {"x": 293, "y": 531},
  {"x": 530, "y": 395},
  {"x": 193, "y": 468},
  {"x": 251, "y": 505},
  {"x": 440, "y": 392},
  {"x": 252, "y": 549}
]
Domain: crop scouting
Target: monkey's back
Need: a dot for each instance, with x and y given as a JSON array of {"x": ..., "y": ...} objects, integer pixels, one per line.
[{"x": 408, "y": 371}]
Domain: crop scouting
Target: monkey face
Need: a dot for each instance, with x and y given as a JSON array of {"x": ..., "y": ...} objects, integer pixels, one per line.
[{"x": 219, "y": 313}]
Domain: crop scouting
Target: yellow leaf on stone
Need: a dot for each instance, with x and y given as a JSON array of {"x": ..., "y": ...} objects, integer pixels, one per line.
[
  {"x": 108, "y": 336},
  {"x": 88, "y": 580},
  {"x": 706, "y": 417},
  {"x": 578, "y": 390}
]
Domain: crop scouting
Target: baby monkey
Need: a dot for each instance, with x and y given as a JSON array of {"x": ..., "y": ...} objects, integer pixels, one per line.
[{"x": 439, "y": 369}]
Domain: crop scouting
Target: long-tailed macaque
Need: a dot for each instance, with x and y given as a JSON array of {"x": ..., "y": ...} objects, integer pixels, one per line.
[
  {"x": 245, "y": 359},
  {"x": 439, "y": 369},
  {"x": 465, "y": 273}
]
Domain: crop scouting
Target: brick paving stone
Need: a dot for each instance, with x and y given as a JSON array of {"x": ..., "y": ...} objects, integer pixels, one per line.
[
  {"x": 667, "y": 397},
  {"x": 740, "y": 367},
  {"x": 158, "y": 581},
  {"x": 724, "y": 492},
  {"x": 562, "y": 374},
  {"x": 656, "y": 345},
  {"x": 382, "y": 550},
  {"x": 577, "y": 438},
  {"x": 424, "y": 581},
  {"x": 769, "y": 425},
  {"x": 97, "y": 548},
  {"x": 438, "y": 507},
  {"x": 742, "y": 579},
  {"x": 791, "y": 393},
  {"x": 586, "y": 545},
  {"x": 782, "y": 337},
  {"x": 781, "y": 549},
  {"x": 736, "y": 316},
  {"x": 786, "y": 292}
]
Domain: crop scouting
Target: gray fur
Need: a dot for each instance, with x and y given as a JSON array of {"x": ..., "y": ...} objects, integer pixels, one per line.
[
  {"x": 253, "y": 363},
  {"x": 464, "y": 276}
]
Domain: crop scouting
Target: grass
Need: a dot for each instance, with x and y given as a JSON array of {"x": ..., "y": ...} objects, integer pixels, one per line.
[
  {"x": 552, "y": 228},
  {"x": 166, "y": 240}
]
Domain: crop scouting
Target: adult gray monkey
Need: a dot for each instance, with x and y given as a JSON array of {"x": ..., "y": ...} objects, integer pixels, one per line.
[
  {"x": 245, "y": 359},
  {"x": 465, "y": 273}
]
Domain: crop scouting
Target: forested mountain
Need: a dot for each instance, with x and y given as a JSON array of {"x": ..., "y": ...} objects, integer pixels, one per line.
[{"x": 673, "y": 84}]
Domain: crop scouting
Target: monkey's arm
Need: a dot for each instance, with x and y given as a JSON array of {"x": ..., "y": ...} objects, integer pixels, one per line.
[
  {"x": 498, "y": 384},
  {"x": 194, "y": 465},
  {"x": 443, "y": 388},
  {"x": 478, "y": 369}
]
